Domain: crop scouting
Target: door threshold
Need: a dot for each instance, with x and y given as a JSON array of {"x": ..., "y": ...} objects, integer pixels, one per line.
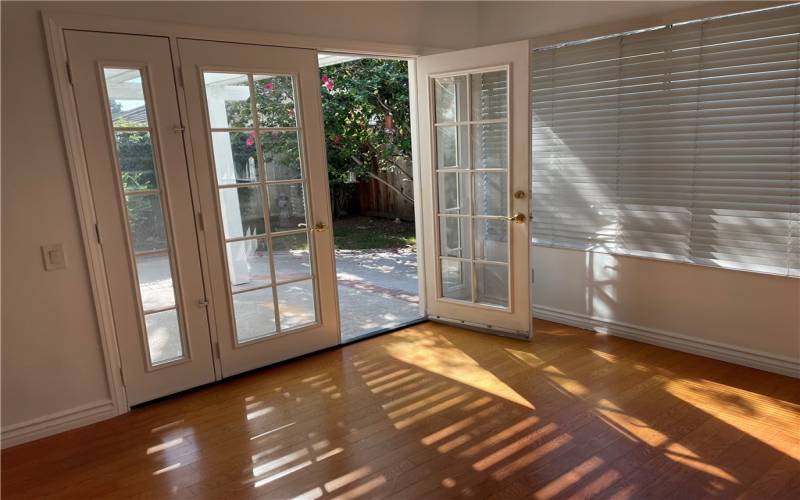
[{"x": 376, "y": 333}]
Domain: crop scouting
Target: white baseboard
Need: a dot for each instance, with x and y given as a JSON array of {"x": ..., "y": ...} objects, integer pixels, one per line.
[
  {"x": 783, "y": 365},
  {"x": 54, "y": 423}
]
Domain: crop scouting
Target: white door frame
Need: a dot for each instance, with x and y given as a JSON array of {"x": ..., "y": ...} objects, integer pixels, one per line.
[{"x": 55, "y": 22}]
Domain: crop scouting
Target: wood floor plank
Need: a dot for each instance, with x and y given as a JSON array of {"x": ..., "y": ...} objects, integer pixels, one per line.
[{"x": 434, "y": 411}]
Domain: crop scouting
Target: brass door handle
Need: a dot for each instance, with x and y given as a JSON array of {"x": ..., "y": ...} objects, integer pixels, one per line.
[
  {"x": 518, "y": 218},
  {"x": 320, "y": 226}
]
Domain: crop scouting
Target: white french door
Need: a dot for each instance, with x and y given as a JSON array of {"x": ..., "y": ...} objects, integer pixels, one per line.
[
  {"x": 255, "y": 206},
  {"x": 255, "y": 119},
  {"x": 474, "y": 138},
  {"x": 130, "y": 125}
]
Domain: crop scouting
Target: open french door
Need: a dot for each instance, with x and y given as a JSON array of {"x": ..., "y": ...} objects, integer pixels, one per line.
[
  {"x": 474, "y": 145},
  {"x": 255, "y": 121}
]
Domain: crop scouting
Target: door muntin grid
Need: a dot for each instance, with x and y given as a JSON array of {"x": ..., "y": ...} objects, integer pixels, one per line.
[
  {"x": 145, "y": 208},
  {"x": 261, "y": 181},
  {"x": 470, "y": 161}
]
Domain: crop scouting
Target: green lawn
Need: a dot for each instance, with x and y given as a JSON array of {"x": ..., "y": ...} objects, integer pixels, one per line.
[{"x": 360, "y": 233}]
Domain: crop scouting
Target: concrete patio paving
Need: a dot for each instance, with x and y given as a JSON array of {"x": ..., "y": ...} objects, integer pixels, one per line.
[{"x": 377, "y": 289}]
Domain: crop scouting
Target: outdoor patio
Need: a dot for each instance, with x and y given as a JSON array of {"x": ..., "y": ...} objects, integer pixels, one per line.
[{"x": 377, "y": 289}]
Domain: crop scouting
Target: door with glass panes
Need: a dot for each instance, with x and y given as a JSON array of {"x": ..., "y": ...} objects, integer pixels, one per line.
[
  {"x": 473, "y": 116},
  {"x": 255, "y": 120},
  {"x": 214, "y": 266},
  {"x": 130, "y": 126}
]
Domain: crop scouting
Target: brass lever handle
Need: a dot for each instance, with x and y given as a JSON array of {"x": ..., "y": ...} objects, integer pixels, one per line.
[
  {"x": 320, "y": 226},
  {"x": 518, "y": 218}
]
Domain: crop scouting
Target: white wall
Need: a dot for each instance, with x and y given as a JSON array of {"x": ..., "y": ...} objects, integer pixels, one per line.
[
  {"x": 753, "y": 313},
  {"x": 51, "y": 355}
]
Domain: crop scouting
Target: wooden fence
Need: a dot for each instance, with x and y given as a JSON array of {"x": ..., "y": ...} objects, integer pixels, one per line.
[{"x": 378, "y": 200}]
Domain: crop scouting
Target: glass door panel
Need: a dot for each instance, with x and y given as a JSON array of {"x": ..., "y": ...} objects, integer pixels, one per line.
[
  {"x": 260, "y": 153},
  {"x": 257, "y": 160},
  {"x": 475, "y": 182},
  {"x": 147, "y": 227}
]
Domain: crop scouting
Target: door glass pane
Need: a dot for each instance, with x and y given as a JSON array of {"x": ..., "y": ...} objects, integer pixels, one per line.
[
  {"x": 147, "y": 227},
  {"x": 455, "y": 240},
  {"x": 454, "y": 193},
  {"x": 292, "y": 259},
  {"x": 136, "y": 164},
  {"x": 275, "y": 100},
  {"x": 489, "y": 95},
  {"x": 228, "y": 98},
  {"x": 281, "y": 152},
  {"x": 254, "y": 312},
  {"x": 452, "y": 147},
  {"x": 491, "y": 240},
  {"x": 296, "y": 304},
  {"x": 456, "y": 279},
  {"x": 155, "y": 281},
  {"x": 248, "y": 264},
  {"x": 491, "y": 193},
  {"x": 490, "y": 146},
  {"x": 242, "y": 211},
  {"x": 479, "y": 197},
  {"x": 235, "y": 158},
  {"x": 451, "y": 99},
  {"x": 163, "y": 336},
  {"x": 287, "y": 209},
  {"x": 146, "y": 222},
  {"x": 492, "y": 284},
  {"x": 126, "y": 97},
  {"x": 257, "y": 160}
]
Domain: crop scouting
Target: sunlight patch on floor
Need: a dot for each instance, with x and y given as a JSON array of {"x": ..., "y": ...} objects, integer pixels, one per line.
[
  {"x": 741, "y": 407},
  {"x": 164, "y": 446},
  {"x": 438, "y": 355}
]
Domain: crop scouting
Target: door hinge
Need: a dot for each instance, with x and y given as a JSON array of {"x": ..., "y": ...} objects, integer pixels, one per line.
[
  {"x": 122, "y": 376},
  {"x": 69, "y": 72},
  {"x": 532, "y": 275},
  {"x": 216, "y": 350},
  {"x": 180, "y": 77},
  {"x": 97, "y": 234},
  {"x": 201, "y": 225}
]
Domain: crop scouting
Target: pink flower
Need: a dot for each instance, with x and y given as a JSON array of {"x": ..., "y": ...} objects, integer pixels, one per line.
[
  {"x": 251, "y": 139},
  {"x": 268, "y": 86},
  {"x": 337, "y": 139},
  {"x": 327, "y": 82}
]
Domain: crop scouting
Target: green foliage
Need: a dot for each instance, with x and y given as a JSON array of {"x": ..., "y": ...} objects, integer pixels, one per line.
[
  {"x": 137, "y": 172},
  {"x": 367, "y": 122},
  {"x": 358, "y": 233}
]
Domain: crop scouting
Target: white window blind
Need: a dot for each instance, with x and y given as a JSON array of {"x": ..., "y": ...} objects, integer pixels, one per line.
[{"x": 678, "y": 143}]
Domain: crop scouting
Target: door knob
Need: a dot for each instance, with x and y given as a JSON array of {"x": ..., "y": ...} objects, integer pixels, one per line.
[
  {"x": 320, "y": 226},
  {"x": 518, "y": 218}
]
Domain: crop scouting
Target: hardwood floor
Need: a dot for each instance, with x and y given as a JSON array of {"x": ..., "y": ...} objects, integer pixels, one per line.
[{"x": 434, "y": 411}]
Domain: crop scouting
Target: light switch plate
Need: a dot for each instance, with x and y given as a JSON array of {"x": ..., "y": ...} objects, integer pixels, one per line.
[{"x": 54, "y": 257}]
